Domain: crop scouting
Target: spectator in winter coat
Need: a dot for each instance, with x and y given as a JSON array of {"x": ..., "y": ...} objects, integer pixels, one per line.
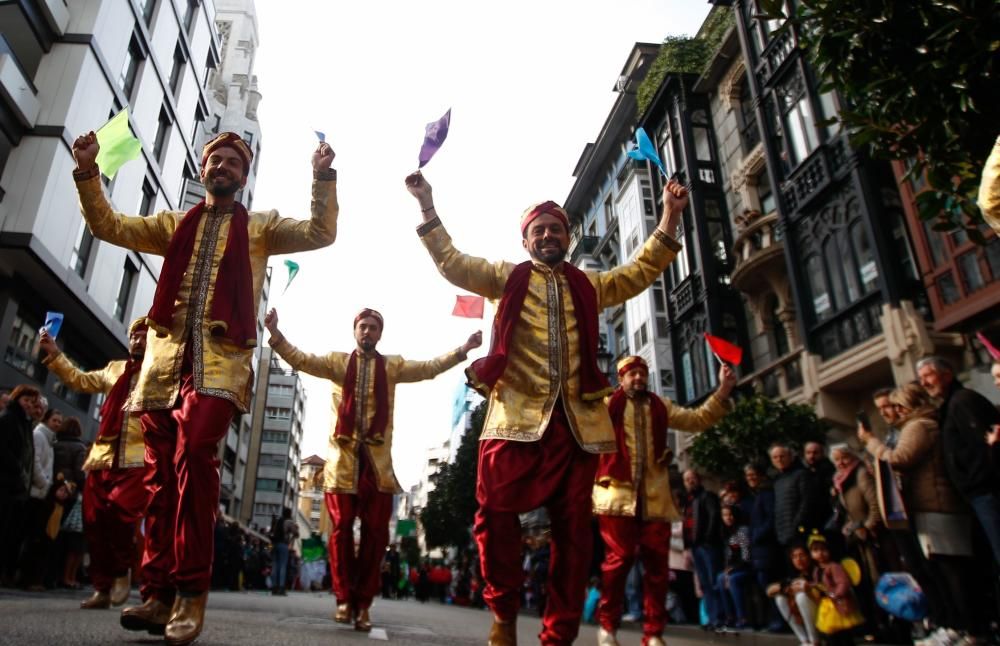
[
  {"x": 703, "y": 536},
  {"x": 732, "y": 581},
  {"x": 17, "y": 458},
  {"x": 40, "y": 504},
  {"x": 966, "y": 417},
  {"x": 821, "y": 470},
  {"x": 764, "y": 549},
  {"x": 792, "y": 495}
]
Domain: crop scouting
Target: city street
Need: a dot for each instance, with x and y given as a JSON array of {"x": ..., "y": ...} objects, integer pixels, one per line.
[{"x": 244, "y": 619}]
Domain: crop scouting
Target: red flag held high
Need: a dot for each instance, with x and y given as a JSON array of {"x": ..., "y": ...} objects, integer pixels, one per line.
[
  {"x": 469, "y": 306},
  {"x": 725, "y": 350},
  {"x": 992, "y": 349}
]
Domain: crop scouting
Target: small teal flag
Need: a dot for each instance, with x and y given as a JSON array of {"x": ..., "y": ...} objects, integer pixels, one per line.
[
  {"x": 645, "y": 150},
  {"x": 293, "y": 270}
]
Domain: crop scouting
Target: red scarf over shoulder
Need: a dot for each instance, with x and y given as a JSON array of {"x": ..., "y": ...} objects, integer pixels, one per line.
[
  {"x": 232, "y": 314},
  {"x": 347, "y": 411},
  {"x": 617, "y": 466},
  {"x": 112, "y": 410},
  {"x": 484, "y": 373}
]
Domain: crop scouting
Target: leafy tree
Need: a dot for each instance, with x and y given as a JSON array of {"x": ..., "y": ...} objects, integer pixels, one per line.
[
  {"x": 920, "y": 82},
  {"x": 452, "y": 504},
  {"x": 745, "y": 433}
]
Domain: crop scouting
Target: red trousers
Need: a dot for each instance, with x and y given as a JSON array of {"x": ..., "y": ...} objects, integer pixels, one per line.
[
  {"x": 357, "y": 579},
  {"x": 182, "y": 480},
  {"x": 623, "y": 537},
  {"x": 516, "y": 477},
  {"x": 113, "y": 502}
]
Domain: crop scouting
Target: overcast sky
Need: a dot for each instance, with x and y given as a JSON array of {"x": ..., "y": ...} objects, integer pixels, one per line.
[{"x": 529, "y": 84}]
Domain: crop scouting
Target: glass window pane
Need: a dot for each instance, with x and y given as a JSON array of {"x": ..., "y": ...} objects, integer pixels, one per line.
[
  {"x": 972, "y": 276},
  {"x": 866, "y": 259},
  {"x": 992, "y": 254},
  {"x": 822, "y": 307},
  {"x": 835, "y": 271},
  {"x": 947, "y": 288}
]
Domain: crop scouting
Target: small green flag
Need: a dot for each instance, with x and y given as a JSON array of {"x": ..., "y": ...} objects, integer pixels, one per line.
[
  {"x": 117, "y": 144},
  {"x": 406, "y": 527},
  {"x": 293, "y": 269},
  {"x": 313, "y": 550}
]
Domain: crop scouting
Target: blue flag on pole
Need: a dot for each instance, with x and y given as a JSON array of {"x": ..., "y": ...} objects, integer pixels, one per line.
[{"x": 645, "y": 150}]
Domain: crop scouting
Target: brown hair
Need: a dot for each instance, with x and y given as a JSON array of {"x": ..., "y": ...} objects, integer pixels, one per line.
[
  {"x": 22, "y": 390},
  {"x": 70, "y": 428},
  {"x": 911, "y": 396}
]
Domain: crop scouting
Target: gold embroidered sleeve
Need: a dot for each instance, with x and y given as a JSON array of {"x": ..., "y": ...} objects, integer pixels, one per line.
[
  {"x": 476, "y": 275},
  {"x": 409, "y": 371},
  {"x": 631, "y": 279},
  {"x": 288, "y": 235},
  {"x": 695, "y": 419},
  {"x": 328, "y": 366},
  {"x": 93, "y": 381},
  {"x": 143, "y": 234},
  {"x": 989, "y": 189}
]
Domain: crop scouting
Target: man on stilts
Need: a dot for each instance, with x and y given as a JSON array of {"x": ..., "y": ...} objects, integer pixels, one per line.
[
  {"x": 632, "y": 497},
  {"x": 358, "y": 478},
  {"x": 197, "y": 373},
  {"x": 546, "y": 420},
  {"x": 114, "y": 497}
]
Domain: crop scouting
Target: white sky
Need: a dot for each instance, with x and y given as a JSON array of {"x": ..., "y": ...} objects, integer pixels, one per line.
[{"x": 529, "y": 84}]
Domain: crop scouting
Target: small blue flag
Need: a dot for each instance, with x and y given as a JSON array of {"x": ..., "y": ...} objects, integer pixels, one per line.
[
  {"x": 53, "y": 323},
  {"x": 645, "y": 150},
  {"x": 320, "y": 135}
]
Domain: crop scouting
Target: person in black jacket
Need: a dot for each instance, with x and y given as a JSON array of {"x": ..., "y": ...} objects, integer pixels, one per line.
[
  {"x": 792, "y": 494},
  {"x": 965, "y": 418},
  {"x": 764, "y": 550},
  {"x": 703, "y": 536},
  {"x": 17, "y": 459}
]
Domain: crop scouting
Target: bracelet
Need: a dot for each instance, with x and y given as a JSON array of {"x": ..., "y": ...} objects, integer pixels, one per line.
[{"x": 429, "y": 208}]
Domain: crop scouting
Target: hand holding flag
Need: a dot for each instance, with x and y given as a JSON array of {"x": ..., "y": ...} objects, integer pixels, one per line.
[
  {"x": 723, "y": 350},
  {"x": 435, "y": 134},
  {"x": 645, "y": 150},
  {"x": 117, "y": 144}
]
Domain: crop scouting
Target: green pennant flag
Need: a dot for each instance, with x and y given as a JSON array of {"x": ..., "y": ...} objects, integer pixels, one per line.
[
  {"x": 293, "y": 269},
  {"x": 118, "y": 145},
  {"x": 313, "y": 550}
]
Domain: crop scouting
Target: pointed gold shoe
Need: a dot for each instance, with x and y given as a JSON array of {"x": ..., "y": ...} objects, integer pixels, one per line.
[
  {"x": 503, "y": 633},
  {"x": 363, "y": 622},
  {"x": 120, "y": 589},
  {"x": 343, "y": 614},
  {"x": 97, "y": 601},
  {"x": 151, "y": 616},
  {"x": 186, "y": 619}
]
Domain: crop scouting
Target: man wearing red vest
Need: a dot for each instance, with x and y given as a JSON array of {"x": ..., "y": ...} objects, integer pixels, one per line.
[
  {"x": 197, "y": 372},
  {"x": 632, "y": 497},
  {"x": 358, "y": 478},
  {"x": 114, "y": 498},
  {"x": 546, "y": 420}
]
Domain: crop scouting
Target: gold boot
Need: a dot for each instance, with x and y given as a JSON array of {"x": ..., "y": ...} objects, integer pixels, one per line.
[
  {"x": 120, "y": 589},
  {"x": 363, "y": 622},
  {"x": 344, "y": 614},
  {"x": 97, "y": 601},
  {"x": 151, "y": 616},
  {"x": 503, "y": 633},
  {"x": 186, "y": 619}
]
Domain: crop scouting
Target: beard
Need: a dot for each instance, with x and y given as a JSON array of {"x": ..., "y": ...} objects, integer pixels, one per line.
[
  {"x": 638, "y": 389},
  {"x": 219, "y": 187},
  {"x": 366, "y": 345},
  {"x": 548, "y": 256}
]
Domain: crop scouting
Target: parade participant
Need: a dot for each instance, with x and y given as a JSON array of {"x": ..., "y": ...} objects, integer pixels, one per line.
[
  {"x": 197, "y": 371},
  {"x": 632, "y": 497},
  {"x": 546, "y": 419},
  {"x": 114, "y": 497},
  {"x": 358, "y": 478}
]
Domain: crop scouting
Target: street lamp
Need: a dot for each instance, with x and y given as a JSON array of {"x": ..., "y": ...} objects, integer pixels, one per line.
[{"x": 604, "y": 359}]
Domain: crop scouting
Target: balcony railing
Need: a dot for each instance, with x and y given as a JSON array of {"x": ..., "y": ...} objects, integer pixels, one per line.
[
  {"x": 854, "y": 325},
  {"x": 774, "y": 56},
  {"x": 760, "y": 240}
]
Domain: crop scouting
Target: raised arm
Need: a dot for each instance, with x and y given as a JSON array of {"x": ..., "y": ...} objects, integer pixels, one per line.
[
  {"x": 409, "y": 371},
  {"x": 288, "y": 235},
  {"x": 632, "y": 278},
  {"x": 468, "y": 272},
  {"x": 331, "y": 366},
  {"x": 989, "y": 189},
  {"x": 142, "y": 234},
  {"x": 711, "y": 410},
  {"x": 915, "y": 441}
]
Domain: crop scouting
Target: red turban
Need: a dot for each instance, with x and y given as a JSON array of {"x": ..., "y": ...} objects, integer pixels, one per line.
[
  {"x": 229, "y": 140},
  {"x": 630, "y": 363},
  {"x": 365, "y": 313},
  {"x": 536, "y": 210}
]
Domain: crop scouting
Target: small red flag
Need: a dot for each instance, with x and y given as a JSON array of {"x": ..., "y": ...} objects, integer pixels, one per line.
[
  {"x": 992, "y": 349},
  {"x": 725, "y": 350},
  {"x": 469, "y": 306}
]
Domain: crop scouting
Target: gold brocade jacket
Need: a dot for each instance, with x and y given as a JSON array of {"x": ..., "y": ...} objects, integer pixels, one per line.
[
  {"x": 124, "y": 450},
  {"x": 649, "y": 472},
  {"x": 544, "y": 364},
  {"x": 341, "y": 472},
  {"x": 220, "y": 368}
]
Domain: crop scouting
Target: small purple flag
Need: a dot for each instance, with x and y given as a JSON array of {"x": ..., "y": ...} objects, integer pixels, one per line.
[{"x": 434, "y": 136}]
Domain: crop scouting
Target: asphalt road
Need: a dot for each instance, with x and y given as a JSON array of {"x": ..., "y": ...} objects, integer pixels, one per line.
[{"x": 244, "y": 619}]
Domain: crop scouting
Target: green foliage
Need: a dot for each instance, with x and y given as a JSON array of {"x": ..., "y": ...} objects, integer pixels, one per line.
[
  {"x": 745, "y": 433},
  {"x": 920, "y": 82},
  {"x": 677, "y": 54},
  {"x": 452, "y": 504}
]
